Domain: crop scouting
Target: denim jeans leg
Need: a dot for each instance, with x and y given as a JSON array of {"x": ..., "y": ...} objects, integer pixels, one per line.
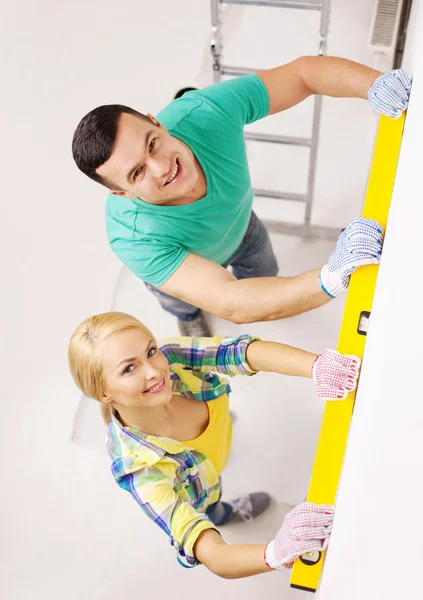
[
  {"x": 219, "y": 512},
  {"x": 255, "y": 256},
  {"x": 178, "y": 308}
]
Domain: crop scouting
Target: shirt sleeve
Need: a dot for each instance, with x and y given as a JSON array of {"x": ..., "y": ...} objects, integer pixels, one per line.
[
  {"x": 223, "y": 355},
  {"x": 150, "y": 258},
  {"x": 243, "y": 99},
  {"x": 156, "y": 496}
]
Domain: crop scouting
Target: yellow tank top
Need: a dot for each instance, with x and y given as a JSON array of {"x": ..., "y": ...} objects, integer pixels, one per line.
[{"x": 215, "y": 441}]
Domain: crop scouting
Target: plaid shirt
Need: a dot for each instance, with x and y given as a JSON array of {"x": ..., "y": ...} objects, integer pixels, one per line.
[{"x": 173, "y": 483}]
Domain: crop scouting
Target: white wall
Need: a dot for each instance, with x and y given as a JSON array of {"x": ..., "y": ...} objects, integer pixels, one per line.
[
  {"x": 60, "y": 60},
  {"x": 376, "y": 548}
]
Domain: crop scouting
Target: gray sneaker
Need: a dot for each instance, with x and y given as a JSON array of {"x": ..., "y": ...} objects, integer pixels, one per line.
[
  {"x": 197, "y": 327},
  {"x": 248, "y": 507}
]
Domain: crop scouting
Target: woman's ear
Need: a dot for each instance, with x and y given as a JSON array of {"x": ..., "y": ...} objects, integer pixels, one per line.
[{"x": 106, "y": 399}]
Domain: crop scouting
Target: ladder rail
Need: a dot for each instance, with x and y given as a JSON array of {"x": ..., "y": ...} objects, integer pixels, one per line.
[
  {"x": 317, "y": 115},
  {"x": 313, "y": 142},
  {"x": 301, "y": 5},
  {"x": 288, "y": 140},
  {"x": 279, "y": 195}
]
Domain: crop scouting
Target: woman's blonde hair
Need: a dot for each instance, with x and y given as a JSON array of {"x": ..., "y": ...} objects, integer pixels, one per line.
[{"x": 84, "y": 351}]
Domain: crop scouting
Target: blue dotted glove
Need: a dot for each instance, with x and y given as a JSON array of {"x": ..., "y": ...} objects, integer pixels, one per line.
[
  {"x": 358, "y": 245},
  {"x": 390, "y": 93}
]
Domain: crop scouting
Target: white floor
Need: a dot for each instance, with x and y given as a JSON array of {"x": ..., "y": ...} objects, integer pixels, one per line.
[{"x": 273, "y": 447}]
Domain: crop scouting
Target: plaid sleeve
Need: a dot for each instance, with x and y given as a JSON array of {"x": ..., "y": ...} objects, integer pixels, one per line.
[
  {"x": 224, "y": 355},
  {"x": 178, "y": 519}
]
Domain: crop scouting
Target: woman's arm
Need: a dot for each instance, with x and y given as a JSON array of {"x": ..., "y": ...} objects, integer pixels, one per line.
[
  {"x": 230, "y": 561},
  {"x": 225, "y": 355},
  {"x": 280, "y": 358},
  {"x": 306, "y": 528},
  {"x": 335, "y": 375}
]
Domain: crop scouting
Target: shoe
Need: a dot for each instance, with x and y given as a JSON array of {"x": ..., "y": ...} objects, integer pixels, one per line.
[
  {"x": 197, "y": 327},
  {"x": 248, "y": 507}
]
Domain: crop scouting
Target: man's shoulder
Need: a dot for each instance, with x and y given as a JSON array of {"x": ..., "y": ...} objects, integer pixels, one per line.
[
  {"x": 179, "y": 110},
  {"x": 236, "y": 101},
  {"x": 119, "y": 204},
  {"x": 120, "y": 212},
  {"x": 197, "y": 107}
]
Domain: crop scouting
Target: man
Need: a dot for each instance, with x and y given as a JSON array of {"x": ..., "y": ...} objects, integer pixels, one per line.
[{"x": 179, "y": 211}]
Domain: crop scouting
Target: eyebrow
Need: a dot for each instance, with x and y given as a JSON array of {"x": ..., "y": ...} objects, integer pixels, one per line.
[
  {"x": 126, "y": 360},
  {"x": 135, "y": 167},
  {"x": 129, "y": 360}
]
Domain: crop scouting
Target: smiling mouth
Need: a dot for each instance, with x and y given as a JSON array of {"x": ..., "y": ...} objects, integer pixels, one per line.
[
  {"x": 156, "y": 387},
  {"x": 174, "y": 173}
]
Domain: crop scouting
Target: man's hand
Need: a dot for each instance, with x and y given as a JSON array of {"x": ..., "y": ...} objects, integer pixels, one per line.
[
  {"x": 335, "y": 374},
  {"x": 390, "y": 93},
  {"x": 358, "y": 245},
  {"x": 305, "y": 529}
]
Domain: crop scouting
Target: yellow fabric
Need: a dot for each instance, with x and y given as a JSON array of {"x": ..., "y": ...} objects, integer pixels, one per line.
[{"x": 215, "y": 441}]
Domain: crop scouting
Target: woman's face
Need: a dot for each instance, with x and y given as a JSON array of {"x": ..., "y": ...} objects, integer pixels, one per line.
[{"x": 136, "y": 372}]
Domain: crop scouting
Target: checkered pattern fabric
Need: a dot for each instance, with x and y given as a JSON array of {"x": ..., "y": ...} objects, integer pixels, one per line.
[{"x": 173, "y": 483}]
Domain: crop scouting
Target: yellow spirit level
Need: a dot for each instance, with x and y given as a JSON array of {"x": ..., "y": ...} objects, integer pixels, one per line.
[{"x": 337, "y": 416}]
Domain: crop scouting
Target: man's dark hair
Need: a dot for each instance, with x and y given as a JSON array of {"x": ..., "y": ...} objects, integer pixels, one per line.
[
  {"x": 95, "y": 138},
  {"x": 183, "y": 91}
]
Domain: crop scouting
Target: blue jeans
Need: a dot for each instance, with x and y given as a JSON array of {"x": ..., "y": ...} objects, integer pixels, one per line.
[
  {"x": 219, "y": 512},
  {"x": 254, "y": 258}
]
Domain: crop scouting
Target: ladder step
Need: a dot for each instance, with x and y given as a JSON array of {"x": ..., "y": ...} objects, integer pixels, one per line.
[
  {"x": 277, "y": 139},
  {"x": 310, "y": 5},
  {"x": 235, "y": 71},
  {"x": 280, "y": 195},
  {"x": 311, "y": 232}
]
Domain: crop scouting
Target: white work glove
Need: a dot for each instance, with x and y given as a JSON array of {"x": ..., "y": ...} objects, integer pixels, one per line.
[
  {"x": 359, "y": 244},
  {"x": 390, "y": 93},
  {"x": 335, "y": 374},
  {"x": 306, "y": 528}
]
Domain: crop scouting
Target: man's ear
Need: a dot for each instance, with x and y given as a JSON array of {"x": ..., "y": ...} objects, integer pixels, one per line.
[
  {"x": 124, "y": 194},
  {"x": 155, "y": 121}
]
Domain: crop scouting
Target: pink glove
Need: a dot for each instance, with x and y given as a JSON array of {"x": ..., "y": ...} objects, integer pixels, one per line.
[
  {"x": 335, "y": 374},
  {"x": 306, "y": 528}
]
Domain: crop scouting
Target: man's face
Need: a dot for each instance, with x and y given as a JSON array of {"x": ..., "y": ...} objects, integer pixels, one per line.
[{"x": 148, "y": 163}]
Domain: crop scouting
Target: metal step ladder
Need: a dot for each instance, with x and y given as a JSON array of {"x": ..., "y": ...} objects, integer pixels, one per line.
[{"x": 305, "y": 229}]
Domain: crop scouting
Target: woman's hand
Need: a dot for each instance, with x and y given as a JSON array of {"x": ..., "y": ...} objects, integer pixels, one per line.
[
  {"x": 335, "y": 374},
  {"x": 306, "y": 528}
]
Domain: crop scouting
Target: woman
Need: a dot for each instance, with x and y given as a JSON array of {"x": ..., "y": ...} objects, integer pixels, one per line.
[{"x": 169, "y": 433}]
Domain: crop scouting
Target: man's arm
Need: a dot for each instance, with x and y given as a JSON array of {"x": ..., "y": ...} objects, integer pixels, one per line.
[
  {"x": 214, "y": 289},
  {"x": 292, "y": 83}
]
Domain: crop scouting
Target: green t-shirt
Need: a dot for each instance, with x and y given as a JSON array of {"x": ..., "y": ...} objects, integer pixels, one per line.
[{"x": 153, "y": 240}]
